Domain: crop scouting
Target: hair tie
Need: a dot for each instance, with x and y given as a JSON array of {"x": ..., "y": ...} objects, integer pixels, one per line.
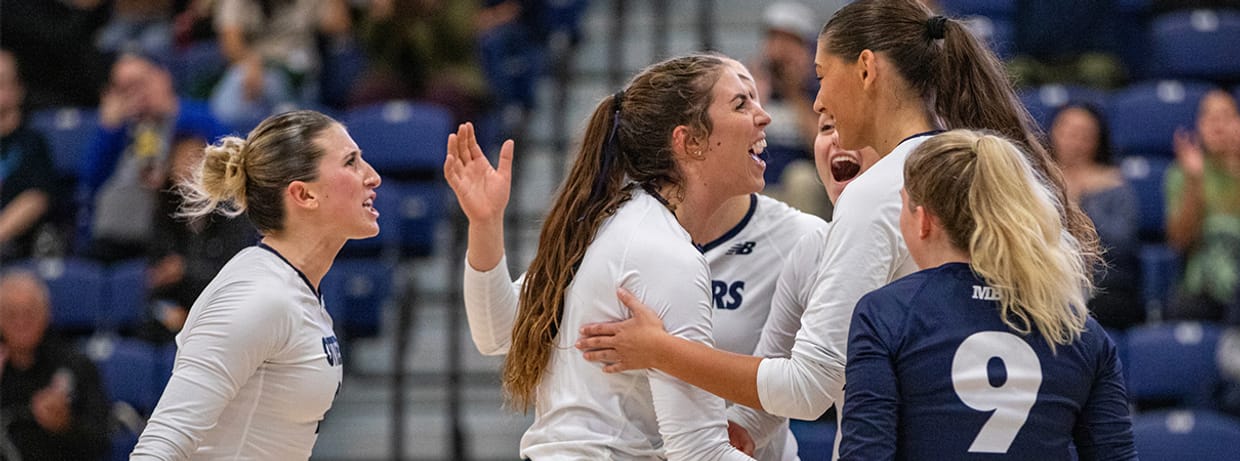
[
  {"x": 936, "y": 27},
  {"x": 616, "y": 100}
]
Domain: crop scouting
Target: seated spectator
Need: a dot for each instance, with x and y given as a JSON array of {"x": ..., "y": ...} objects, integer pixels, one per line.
[
  {"x": 270, "y": 45},
  {"x": 186, "y": 256},
  {"x": 1203, "y": 212},
  {"x": 54, "y": 40},
  {"x": 1081, "y": 144},
  {"x": 784, "y": 74},
  {"x": 51, "y": 398},
  {"x": 141, "y": 121},
  {"x": 425, "y": 50},
  {"x": 143, "y": 26},
  {"x": 26, "y": 174}
]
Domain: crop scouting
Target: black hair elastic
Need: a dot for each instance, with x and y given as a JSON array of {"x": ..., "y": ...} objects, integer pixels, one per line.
[{"x": 936, "y": 27}]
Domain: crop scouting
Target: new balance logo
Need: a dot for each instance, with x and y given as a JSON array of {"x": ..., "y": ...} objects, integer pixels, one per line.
[
  {"x": 985, "y": 293},
  {"x": 742, "y": 248}
]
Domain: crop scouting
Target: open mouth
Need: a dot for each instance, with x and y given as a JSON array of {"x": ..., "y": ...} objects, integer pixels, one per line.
[
  {"x": 756, "y": 151},
  {"x": 369, "y": 205},
  {"x": 844, "y": 168}
]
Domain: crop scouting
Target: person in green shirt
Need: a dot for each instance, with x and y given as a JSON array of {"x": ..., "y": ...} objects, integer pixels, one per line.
[{"x": 1203, "y": 212}]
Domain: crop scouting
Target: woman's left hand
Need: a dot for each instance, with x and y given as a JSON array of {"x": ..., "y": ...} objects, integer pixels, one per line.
[{"x": 631, "y": 344}]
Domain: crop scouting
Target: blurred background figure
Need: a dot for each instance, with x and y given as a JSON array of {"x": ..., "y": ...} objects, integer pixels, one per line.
[
  {"x": 784, "y": 71},
  {"x": 51, "y": 399},
  {"x": 425, "y": 49},
  {"x": 26, "y": 177},
  {"x": 55, "y": 42},
  {"x": 1203, "y": 212},
  {"x": 1081, "y": 143},
  {"x": 142, "y": 123},
  {"x": 142, "y": 26},
  {"x": 272, "y": 55}
]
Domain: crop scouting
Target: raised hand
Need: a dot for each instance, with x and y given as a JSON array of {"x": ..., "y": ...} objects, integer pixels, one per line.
[
  {"x": 481, "y": 190},
  {"x": 1188, "y": 153}
]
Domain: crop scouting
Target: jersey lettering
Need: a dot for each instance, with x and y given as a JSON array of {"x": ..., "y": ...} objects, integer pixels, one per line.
[
  {"x": 727, "y": 296},
  {"x": 331, "y": 347},
  {"x": 985, "y": 293}
]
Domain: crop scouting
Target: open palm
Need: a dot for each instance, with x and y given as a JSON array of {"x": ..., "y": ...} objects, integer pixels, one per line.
[{"x": 481, "y": 190}]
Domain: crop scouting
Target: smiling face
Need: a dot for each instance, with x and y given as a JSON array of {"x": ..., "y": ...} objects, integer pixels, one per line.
[
  {"x": 738, "y": 136},
  {"x": 840, "y": 93},
  {"x": 836, "y": 166},
  {"x": 346, "y": 184}
]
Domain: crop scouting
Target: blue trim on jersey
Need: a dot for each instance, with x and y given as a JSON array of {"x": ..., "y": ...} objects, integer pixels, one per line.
[
  {"x": 299, "y": 272},
  {"x": 918, "y": 135},
  {"x": 753, "y": 206}
]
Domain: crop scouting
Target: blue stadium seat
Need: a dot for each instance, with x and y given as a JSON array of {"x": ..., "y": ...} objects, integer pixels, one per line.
[
  {"x": 991, "y": 8},
  {"x": 1183, "y": 434},
  {"x": 1173, "y": 363},
  {"x": 1145, "y": 174},
  {"x": 511, "y": 62},
  {"x": 1045, "y": 100},
  {"x": 126, "y": 294},
  {"x": 77, "y": 291},
  {"x": 1160, "y": 269},
  {"x": 129, "y": 369},
  {"x": 998, "y": 32},
  {"x": 563, "y": 21},
  {"x": 68, "y": 131},
  {"x": 354, "y": 292},
  {"x": 401, "y": 137},
  {"x": 343, "y": 64},
  {"x": 1143, "y": 117},
  {"x": 1196, "y": 44}
]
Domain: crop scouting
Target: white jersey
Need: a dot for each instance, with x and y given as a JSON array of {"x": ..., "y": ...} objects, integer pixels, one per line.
[
  {"x": 864, "y": 251},
  {"x": 256, "y": 369},
  {"x": 583, "y": 413},
  {"x": 744, "y": 266}
]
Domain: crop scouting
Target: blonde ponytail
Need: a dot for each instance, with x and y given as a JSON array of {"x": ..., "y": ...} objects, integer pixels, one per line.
[
  {"x": 218, "y": 183},
  {"x": 1012, "y": 227}
]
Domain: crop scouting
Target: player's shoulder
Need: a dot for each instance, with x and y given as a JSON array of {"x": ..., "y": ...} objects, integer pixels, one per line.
[{"x": 785, "y": 217}]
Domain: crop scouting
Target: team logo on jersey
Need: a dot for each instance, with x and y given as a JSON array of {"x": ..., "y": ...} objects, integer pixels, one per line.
[
  {"x": 985, "y": 293},
  {"x": 727, "y": 295},
  {"x": 331, "y": 347},
  {"x": 742, "y": 248}
]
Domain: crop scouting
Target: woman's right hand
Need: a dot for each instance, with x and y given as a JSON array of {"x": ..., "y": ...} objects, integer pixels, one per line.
[
  {"x": 1188, "y": 153},
  {"x": 481, "y": 190}
]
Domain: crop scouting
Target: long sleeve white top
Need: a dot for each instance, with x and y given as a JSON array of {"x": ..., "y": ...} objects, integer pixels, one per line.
[
  {"x": 256, "y": 370},
  {"x": 581, "y": 412},
  {"x": 742, "y": 287},
  {"x": 864, "y": 251}
]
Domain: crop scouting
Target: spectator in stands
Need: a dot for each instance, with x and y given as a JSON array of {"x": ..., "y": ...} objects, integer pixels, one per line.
[
  {"x": 271, "y": 48},
  {"x": 143, "y": 26},
  {"x": 54, "y": 40},
  {"x": 424, "y": 49},
  {"x": 26, "y": 176},
  {"x": 1081, "y": 144},
  {"x": 1066, "y": 41},
  {"x": 1203, "y": 212},
  {"x": 51, "y": 399},
  {"x": 141, "y": 123},
  {"x": 784, "y": 73},
  {"x": 186, "y": 255}
]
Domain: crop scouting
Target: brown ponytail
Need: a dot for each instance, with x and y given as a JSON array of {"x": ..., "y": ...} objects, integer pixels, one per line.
[{"x": 671, "y": 93}]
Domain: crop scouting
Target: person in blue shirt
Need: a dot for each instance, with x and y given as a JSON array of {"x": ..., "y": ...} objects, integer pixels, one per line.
[{"x": 989, "y": 349}]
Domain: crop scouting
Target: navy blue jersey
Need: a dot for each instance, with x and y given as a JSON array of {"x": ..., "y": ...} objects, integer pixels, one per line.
[{"x": 933, "y": 373}]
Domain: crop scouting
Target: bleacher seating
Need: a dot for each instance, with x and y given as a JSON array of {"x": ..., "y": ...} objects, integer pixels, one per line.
[
  {"x": 1145, "y": 174},
  {"x": 1144, "y": 116},
  {"x": 1196, "y": 44},
  {"x": 1044, "y": 101},
  {"x": 68, "y": 131},
  {"x": 1173, "y": 363},
  {"x": 1186, "y": 435},
  {"x": 354, "y": 292}
]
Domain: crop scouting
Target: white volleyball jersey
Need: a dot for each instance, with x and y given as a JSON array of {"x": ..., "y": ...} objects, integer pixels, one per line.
[
  {"x": 745, "y": 264},
  {"x": 256, "y": 370}
]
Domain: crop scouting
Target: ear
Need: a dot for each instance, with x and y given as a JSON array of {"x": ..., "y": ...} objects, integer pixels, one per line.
[
  {"x": 925, "y": 222},
  {"x": 685, "y": 141},
  {"x": 301, "y": 195},
  {"x": 867, "y": 67}
]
